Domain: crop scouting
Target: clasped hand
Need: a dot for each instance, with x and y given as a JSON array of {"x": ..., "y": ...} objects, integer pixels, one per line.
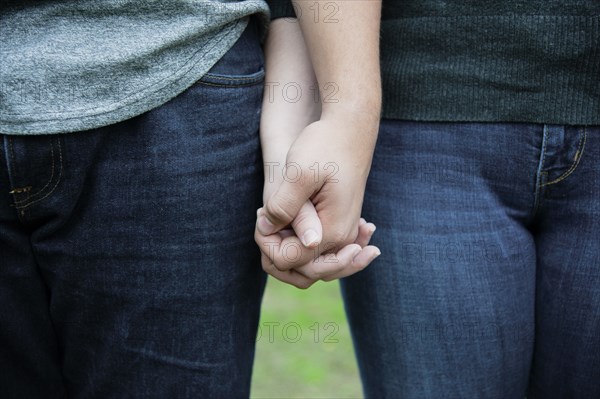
[{"x": 309, "y": 228}]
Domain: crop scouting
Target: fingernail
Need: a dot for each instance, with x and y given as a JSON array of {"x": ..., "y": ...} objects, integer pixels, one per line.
[
  {"x": 376, "y": 255},
  {"x": 310, "y": 238},
  {"x": 372, "y": 230},
  {"x": 265, "y": 227}
]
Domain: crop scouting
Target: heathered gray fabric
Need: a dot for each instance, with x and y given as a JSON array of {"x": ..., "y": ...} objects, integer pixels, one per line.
[{"x": 75, "y": 65}]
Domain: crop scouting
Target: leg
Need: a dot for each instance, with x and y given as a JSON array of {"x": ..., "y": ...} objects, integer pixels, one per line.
[
  {"x": 567, "y": 341},
  {"x": 29, "y": 357},
  {"x": 145, "y": 243},
  {"x": 448, "y": 308}
]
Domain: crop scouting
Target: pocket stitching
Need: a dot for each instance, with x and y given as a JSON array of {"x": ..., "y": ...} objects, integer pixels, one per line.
[
  {"x": 217, "y": 80},
  {"x": 575, "y": 164}
]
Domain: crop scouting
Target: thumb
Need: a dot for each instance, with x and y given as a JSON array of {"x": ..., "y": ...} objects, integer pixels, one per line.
[
  {"x": 307, "y": 225},
  {"x": 283, "y": 206}
]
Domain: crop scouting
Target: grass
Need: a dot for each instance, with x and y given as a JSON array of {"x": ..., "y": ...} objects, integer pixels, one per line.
[{"x": 304, "y": 349}]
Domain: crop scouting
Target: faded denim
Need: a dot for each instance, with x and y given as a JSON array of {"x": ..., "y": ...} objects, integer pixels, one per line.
[{"x": 488, "y": 285}]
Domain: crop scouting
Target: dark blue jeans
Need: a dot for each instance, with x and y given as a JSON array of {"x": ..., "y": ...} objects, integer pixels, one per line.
[
  {"x": 128, "y": 266},
  {"x": 488, "y": 285}
]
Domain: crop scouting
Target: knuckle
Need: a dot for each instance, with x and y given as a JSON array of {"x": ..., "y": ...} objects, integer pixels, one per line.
[
  {"x": 279, "y": 211},
  {"x": 281, "y": 266},
  {"x": 340, "y": 237},
  {"x": 313, "y": 274},
  {"x": 302, "y": 219},
  {"x": 303, "y": 285},
  {"x": 352, "y": 236},
  {"x": 305, "y": 179},
  {"x": 266, "y": 266},
  {"x": 257, "y": 237}
]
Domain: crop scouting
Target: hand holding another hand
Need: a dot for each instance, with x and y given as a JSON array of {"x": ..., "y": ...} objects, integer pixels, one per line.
[
  {"x": 320, "y": 198},
  {"x": 309, "y": 227}
]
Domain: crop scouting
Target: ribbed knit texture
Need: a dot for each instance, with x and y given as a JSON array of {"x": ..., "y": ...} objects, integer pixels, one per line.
[
  {"x": 490, "y": 61},
  {"x": 543, "y": 69}
]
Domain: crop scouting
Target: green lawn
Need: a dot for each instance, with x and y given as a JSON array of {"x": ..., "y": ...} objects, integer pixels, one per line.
[{"x": 304, "y": 349}]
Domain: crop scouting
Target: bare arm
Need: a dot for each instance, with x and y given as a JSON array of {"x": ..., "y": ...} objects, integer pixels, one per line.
[
  {"x": 282, "y": 121},
  {"x": 344, "y": 54}
]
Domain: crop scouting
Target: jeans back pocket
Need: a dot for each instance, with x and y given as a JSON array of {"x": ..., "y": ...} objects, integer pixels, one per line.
[
  {"x": 215, "y": 79},
  {"x": 242, "y": 65}
]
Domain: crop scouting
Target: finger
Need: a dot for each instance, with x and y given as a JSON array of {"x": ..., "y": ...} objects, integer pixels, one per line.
[
  {"x": 365, "y": 232},
  {"x": 345, "y": 262},
  {"x": 329, "y": 264},
  {"x": 284, "y": 249},
  {"x": 288, "y": 276},
  {"x": 337, "y": 233},
  {"x": 286, "y": 233},
  {"x": 285, "y": 204},
  {"x": 367, "y": 255},
  {"x": 307, "y": 225}
]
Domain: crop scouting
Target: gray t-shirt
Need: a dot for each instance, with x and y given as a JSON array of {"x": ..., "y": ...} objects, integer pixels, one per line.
[{"x": 67, "y": 66}]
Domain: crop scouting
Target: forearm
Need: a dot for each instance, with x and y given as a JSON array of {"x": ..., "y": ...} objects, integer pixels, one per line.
[
  {"x": 344, "y": 49},
  {"x": 322, "y": 143},
  {"x": 289, "y": 102}
]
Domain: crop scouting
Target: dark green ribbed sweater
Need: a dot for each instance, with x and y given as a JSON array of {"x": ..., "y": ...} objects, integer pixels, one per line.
[{"x": 490, "y": 61}]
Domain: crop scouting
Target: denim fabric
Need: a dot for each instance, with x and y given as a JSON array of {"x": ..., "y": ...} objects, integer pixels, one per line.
[
  {"x": 128, "y": 266},
  {"x": 488, "y": 285}
]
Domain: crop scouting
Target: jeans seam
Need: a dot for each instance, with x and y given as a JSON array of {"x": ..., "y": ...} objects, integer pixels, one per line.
[
  {"x": 541, "y": 174},
  {"x": 258, "y": 75},
  {"x": 575, "y": 164},
  {"x": 58, "y": 179},
  {"x": 41, "y": 190}
]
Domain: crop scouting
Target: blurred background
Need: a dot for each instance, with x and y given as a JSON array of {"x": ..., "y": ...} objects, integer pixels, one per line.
[{"x": 304, "y": 348}]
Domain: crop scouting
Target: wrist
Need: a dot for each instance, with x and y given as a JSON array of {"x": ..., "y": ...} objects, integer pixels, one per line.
[
  {"x": 358, "y": 105},
  {"x": 363, "y": 116}
]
